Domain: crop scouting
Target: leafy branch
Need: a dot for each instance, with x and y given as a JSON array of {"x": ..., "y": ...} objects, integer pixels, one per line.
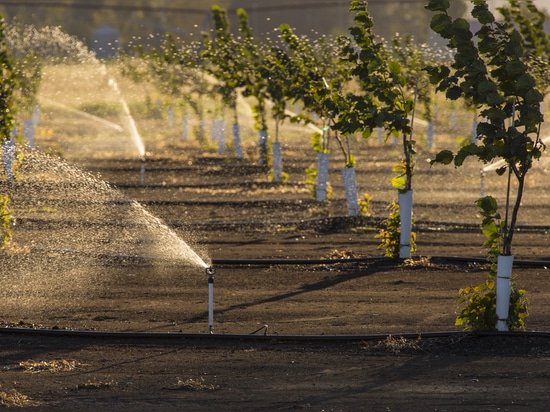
[
  {"x": 383, "y": 100},
  {"x": 491, "y": 72}
]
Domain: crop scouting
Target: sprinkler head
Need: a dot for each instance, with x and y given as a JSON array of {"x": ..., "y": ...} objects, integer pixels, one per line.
[{"x": 210, "y": 270}]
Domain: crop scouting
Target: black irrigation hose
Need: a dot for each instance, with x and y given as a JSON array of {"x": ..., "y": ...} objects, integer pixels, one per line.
[
  {"x": 444, "y": 259},
  {"x": 178, "y": 337},
  {"x": 220, "y": 338},
  {"x": 297, "y": 262}
]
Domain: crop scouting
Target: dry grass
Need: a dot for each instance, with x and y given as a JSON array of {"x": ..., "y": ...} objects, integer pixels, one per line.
[
  {"x": 194, "y": 385},
  {"x": 97, "y": 385},
  {"x": 422, "y": 261},
  {"x": 13, "y": 398},
  {"x": 341, "y": 254},
  {"x": 50, "y": 366},
  {"x": 398, "y": 345}
]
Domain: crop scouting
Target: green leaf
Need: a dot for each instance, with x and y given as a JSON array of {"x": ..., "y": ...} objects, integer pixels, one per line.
[
  {"x": 515, "y": 68},
  {"x": 488, "y": 205},
  {"x": 444, "y": 157},
  {"x": 454, "y": 93},
  {"x": 525, "y": 82},
  {"x": 399, "y": 182},
  {"x": 494, "y": 99},
  {"x": 486, "y": 86},
  {"x": 461, "y": 28},
  {"x": 438, "y": 5},
  {"x": 533, "y": 96},
  {"x": 441, "y": 23},
  {"x": 482, "y": 14},
  {"x": 394, "y": 67}
]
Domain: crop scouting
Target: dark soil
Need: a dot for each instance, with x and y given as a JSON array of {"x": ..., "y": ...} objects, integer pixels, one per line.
[{"x": 258, "y": 234}]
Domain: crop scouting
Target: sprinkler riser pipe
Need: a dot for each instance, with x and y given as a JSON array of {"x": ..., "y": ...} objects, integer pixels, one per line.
[
  {"x": 210, "y": 304},
  {"x": 142, "y": 173},
  {"x": 210, "y": 272},
  {"x": 504, "y": 275},
  {"x": 405, "y": 212}
]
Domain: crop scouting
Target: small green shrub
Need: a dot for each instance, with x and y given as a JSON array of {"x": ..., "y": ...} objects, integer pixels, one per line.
[
  {"x": 391, "y": 233},
  {"x": 6, "y": 221},
  {"x": 478, "y": 304},
  {"x": 311, "y": 181},
  {"x": 364, "y": 205}
]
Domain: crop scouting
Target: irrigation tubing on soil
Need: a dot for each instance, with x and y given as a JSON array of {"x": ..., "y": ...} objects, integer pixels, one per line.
[
  {"x": 178, "y": 337},
  {"x": 281, "y": 262},
  {"x": 253, "y": 337}
]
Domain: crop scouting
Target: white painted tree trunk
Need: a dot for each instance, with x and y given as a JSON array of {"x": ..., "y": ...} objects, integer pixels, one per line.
[
  {"x": 170, "y": 115},
  {"x": 350, "y": 187},
  {"x": 504, "y": 274},
  {"x": 263, "y": 147},
  {"x": 430, "y": 136},
  {"x": 237, "y": 141},
  {"x": 322, "y": 177},
  {"x": 28, "y": 133},
  {"x": 185, "y": 126},
  {"x": 9, "y": 155},
  {"x": 221, "y": 136},
  {"x": 405, "y": 212}
]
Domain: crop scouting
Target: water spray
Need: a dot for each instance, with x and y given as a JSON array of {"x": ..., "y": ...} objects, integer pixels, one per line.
[{"x": 210, "y": 272}]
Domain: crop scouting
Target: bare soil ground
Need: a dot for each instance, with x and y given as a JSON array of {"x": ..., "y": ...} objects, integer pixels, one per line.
[{"x": 230, "y": 212}]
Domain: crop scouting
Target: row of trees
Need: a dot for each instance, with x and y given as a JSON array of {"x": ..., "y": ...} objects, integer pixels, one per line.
[
  {"x": 357, "y": 84},
  {"x": 501, "y": 70}
]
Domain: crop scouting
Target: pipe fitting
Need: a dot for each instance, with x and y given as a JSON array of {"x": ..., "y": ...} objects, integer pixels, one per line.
[{"x": 210, "y": 270}]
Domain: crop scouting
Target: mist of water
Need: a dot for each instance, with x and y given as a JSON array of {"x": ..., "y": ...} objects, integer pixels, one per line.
[
  {"x": 134, "y": 133},
  {"x": 69, "y": 225}
]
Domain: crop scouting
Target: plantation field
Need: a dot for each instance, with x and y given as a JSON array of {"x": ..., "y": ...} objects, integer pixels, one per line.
[
  {"x": 149, "y": 264},
  {"x": 70, "y": 268}
]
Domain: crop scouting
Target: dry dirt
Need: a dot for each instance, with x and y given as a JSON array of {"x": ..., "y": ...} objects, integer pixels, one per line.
[{"x": 258, "y": 233}]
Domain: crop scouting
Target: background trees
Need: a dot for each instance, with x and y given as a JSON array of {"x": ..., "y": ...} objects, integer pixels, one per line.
[{"x": 138, "y": 18}]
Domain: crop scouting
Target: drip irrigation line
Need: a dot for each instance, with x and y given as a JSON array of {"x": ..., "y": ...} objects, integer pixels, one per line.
[
  {"x": 534, "y": 263},
  {"x": 147, "y": 337},
  {"x": 321, "y": 224},
  {"x": 373, "y": 259}
]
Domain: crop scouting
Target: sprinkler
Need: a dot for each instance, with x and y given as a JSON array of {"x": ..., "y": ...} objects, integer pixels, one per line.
[
  {"x": 210, "y": 272},
  {"x": 142, "y": 172}
]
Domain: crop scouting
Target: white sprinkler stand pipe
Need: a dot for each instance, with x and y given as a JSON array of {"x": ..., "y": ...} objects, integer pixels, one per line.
[{"x": 210, "y": 271}]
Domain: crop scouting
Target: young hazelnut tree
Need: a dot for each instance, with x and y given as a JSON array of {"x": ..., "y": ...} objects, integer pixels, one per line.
[
  {"x": 7, "y": 121},
  {"x": 383, "y": 101},
  {"x": 491, "y": 71}
]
